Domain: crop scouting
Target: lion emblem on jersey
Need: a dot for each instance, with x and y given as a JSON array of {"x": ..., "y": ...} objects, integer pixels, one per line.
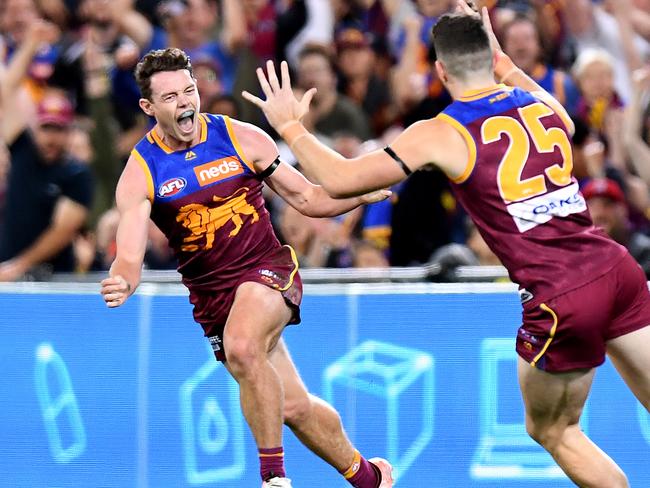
[{"x": 203, "y": 222}]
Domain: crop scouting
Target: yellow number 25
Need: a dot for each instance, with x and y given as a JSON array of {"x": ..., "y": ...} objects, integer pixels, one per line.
[{"x": 512, "y": 186}]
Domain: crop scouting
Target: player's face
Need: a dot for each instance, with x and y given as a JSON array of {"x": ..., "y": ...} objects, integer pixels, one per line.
[{"x": 175, "y": 104}]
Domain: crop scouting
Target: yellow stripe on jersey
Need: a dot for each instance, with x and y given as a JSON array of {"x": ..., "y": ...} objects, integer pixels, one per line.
[
  {"x": 551, "y": 334},
  {"x": 471, "y": 146},
  {"x": 235, "y": 143},
  {"x": 143, "y": 164},
  {"x": 204, "y": 128},
  {"x": 159, "y": 141},
  {"x": 294, "y": 258}
]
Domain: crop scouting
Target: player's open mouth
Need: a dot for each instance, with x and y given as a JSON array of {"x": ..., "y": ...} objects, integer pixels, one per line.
[{"x": 186, "y": 120}]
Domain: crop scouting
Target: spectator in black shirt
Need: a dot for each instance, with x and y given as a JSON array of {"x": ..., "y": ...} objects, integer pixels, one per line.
[{"x": 48, "y": 193}]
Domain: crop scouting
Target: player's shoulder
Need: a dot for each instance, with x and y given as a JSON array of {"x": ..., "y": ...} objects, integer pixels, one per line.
[
  {"x": 213, "y": 118},
  {"x": 144, "y": 146}
]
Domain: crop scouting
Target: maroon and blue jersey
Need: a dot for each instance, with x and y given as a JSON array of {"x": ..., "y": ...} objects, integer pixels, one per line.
[
  {"x": 208, "y": 201},
  {"x": 519, "y": 189}
]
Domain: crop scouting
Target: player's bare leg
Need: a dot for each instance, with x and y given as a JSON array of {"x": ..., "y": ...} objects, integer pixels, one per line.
[
  {"x": 631, "y": 357},
  {"x": 256, "y": 320},
  {"x": 554, "y": 403},
  {"x": 315, "y": 422}
]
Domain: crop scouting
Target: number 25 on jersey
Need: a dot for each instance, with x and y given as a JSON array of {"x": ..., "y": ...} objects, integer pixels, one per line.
[{"x": 512, "y": 186}]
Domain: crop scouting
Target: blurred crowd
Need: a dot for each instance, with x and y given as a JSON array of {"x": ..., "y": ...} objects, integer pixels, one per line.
[{"x": 69, "y": 115}]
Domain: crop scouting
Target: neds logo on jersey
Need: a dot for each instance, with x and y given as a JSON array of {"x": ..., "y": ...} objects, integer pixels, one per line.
[
  {"x": 217, "y": 170},
  {"x": 171, "y": 187}
]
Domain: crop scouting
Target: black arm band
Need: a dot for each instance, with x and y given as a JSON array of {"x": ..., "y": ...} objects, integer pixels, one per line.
[
  {"x": 392, "y": 154},
  {"x": 270, "y": 169}
]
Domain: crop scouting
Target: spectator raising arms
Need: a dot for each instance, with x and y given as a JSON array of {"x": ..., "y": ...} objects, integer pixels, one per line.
[{"x": 49, "y": 193}]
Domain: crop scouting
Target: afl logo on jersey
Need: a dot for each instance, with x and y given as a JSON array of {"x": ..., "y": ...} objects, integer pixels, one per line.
[{"x": 171, "y": 187}]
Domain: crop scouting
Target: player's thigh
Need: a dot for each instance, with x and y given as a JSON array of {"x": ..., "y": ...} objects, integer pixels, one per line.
[
  {"x": 630, "y": 354},
  {"x": 553, "y": 400},
  {"x": 258, "y": 315}
]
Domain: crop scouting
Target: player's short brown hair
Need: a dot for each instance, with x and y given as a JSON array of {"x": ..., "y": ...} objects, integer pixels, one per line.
[
  {"x": 170, "y": 59},
  {"x": 462, "y": 44}
]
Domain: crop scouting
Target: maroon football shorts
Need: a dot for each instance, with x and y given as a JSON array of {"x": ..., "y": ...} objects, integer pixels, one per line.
[
  {"x": 277, "y": 269},
  {"x": 571, "y": 330}
]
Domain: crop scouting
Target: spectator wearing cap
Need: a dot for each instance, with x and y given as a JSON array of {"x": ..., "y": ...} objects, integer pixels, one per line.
[
  {"x": 357, "y": 80},
  {"x": 608, "y": 208},
  {"x": 49, "y": 194}
]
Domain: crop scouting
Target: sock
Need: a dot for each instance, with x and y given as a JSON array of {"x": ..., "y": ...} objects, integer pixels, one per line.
[
  {"x": 362, "y": 474},
  {"x": 272, "y": 463}
]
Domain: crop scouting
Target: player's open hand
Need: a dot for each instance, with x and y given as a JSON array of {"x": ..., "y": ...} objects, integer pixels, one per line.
[
  {"x": 115, "y": 291},
  {"x": 494, "y": 42},
  {"x": 467, "y": 7},
  {"x": 281, "y": 107},
  {"x": 376, "y": 196}
]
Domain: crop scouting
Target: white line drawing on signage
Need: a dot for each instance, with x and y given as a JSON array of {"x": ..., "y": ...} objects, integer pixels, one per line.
[
  {"x": 386, "y": 371},
  {"x": 63, "y": 424},
  {"x": 211, "y": 421}
]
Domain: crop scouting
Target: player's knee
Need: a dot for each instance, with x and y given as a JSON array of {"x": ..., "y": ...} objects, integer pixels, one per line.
[
  {"x": 297, "y": 410},
  {"x": 545, "y": 434},
  {"x": 242, "y": 355}
]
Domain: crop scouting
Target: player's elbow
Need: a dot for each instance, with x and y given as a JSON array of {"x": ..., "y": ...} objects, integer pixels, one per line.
[
  {"x": 339, "y": 188},
  {"x": 339, "y": 193},
  {"x": 336, "y": 192}
]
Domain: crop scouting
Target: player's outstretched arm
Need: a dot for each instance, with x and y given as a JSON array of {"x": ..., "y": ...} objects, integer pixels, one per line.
[
  {"x": 132, "y": 197},
  {"x": 303, "y": 195},
  {"x": 339, "y": 176},
  {"x": 312, "y": 200}
]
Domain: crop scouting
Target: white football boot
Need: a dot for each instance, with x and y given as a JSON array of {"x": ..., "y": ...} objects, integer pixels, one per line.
[{"x": 277, "y": 483}]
